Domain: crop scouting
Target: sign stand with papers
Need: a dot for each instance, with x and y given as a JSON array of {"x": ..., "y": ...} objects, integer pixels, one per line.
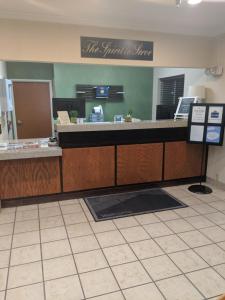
[{"x": 205, "y": 126}]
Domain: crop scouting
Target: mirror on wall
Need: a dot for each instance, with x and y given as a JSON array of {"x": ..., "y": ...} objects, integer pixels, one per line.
[{"x": 147, "y": 93}]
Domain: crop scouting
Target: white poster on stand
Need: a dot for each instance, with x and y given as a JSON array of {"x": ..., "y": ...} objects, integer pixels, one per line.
[
  {"x": 198, "y": 114},
  {"x": 215, "y": 114},
  {"x": 196, "y": 134}
]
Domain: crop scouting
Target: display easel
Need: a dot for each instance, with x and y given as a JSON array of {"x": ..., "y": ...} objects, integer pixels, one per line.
[{"x": 206, "y": 127}]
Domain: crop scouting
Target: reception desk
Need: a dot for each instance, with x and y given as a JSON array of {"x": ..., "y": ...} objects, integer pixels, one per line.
[{"x": 115, "y": 154}]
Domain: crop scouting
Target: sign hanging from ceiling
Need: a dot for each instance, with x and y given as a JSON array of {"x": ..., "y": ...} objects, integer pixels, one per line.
[{"x": 94, "y": 47}]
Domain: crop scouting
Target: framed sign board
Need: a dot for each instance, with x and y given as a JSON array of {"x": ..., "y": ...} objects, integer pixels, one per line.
[
  {"x": 183, "y": 107},
  {"x": 95, "y": 47},
  {"x": 206, "y": 124}
]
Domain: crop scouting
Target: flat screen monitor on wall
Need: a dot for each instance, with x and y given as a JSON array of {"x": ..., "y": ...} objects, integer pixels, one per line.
[{"x": 68, "y": 104}]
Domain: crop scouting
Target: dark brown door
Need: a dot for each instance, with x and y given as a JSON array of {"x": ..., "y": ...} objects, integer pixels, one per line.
[{"x": 33, "y": 109}]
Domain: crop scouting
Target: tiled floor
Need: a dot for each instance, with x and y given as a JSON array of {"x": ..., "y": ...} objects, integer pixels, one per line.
[{"x": 56, "y": 251}]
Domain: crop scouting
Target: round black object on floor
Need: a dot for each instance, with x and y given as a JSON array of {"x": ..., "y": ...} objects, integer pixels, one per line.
[{"x": 200, "y": 189}]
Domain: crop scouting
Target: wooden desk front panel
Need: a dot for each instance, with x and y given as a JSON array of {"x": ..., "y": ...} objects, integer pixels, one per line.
[
  {"x": 29, "y": 177},
  {"x": 182, "y": 160},
  {"x": 88, "y": 168},
  {"x": 139, "y": 163}
]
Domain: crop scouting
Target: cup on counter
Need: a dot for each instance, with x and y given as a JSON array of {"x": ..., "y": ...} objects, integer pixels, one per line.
[{"x": 80, "y": 120}]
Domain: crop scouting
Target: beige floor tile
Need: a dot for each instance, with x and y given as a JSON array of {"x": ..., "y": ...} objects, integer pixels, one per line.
[
  {"x": 144, "y": 292},
  {"x": 59, "y": 267},
  {"x": 110, "y": 238},
  {"x": 146, "y": 249},
  {"x": 220, "y": 205},
  {"x": 7, "y": 218},
  {"x": 216, "y": 234},
  {"x": 73, "y": 208},
  {"x": 207, "y": 198},
  {"x": 25, "y": 255},
  {"x": 98, "y": 282},
  {"x": 26, "y": 215},
  {"x": 179, "y": 225},
  {"x": 4, "y": 258},
  {"x": 218, "y": 218},
  {"x": 125, "y": 222},
  {"x": 167, "y": 215},
  {"x": 26, "y": 239},
  {"x": 6, "y": 229},
  {"x": 171, "y": 243},
  {"x": 75, "y": 218},
  {"x": 147, "y": 219},
  {"x": 188, "y": 261},
  {"x": 199, "y": 222},
  {"x": 90, "y": 261},
  {"x": 53, "y": 234},
  {"x": 131, "y": 274},
  {"x": 111, "y": 296},
  {"x": 49, "y": 204},
  {"x": 2, "y": 295},
  {"x": 3, "y": 278},
  {"x": 25, "y": 274},
  {"x": 84, "y": 243},
  {"x": 25, "y": 226},
  {"x": 27, "y": 207},
  {"x": 67, "y": 288},
  {"x": 186, "y": 212},
  {"x": 117, "y": 255},
  {"x": 208, "y": 282},
  {"x": 51, "y": 222},
  {"x": 204, "y": 209},
  {"x": 194, "y": 239},
  {"x": 5, "y": 242},
  {"x": 178, "y": 288},
  {"x": 191, "y": 201},
  {"x": 49, "y": 212},
  {"x": 69, "y": 202},
  {"x": 157, "y": 229},
  {"x": 222, "y": 245},
  {"x": 76, "y": 230},
  {"x": 221, "y": 270},
  {"x": 134, "y": 234},
  {"x": 55, "y": 249},
  {"x": 29, "y": 292},
  {"x": 160, "y": 267},
  {"x": 102, "y": 226},
  {"x": 212, "y": 254},
  {"x": 8, "y": 210}
]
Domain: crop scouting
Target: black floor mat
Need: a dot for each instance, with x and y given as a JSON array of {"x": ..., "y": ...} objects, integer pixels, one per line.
[{"x": 131, "y": 203}]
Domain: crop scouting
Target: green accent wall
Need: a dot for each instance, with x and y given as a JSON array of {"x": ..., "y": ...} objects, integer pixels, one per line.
[
  {"x": 137, "y": 83},
  {"x": 29, "y": 70}
]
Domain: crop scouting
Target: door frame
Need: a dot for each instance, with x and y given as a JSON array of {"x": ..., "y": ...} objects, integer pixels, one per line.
[{"x": 51, "y": 96}]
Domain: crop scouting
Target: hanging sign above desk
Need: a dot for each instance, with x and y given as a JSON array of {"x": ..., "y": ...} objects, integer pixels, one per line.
[{"x": 94, "y": 47}]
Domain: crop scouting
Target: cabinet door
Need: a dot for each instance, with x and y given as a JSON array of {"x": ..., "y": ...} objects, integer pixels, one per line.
[
  {"x": 88, "y": 168},
  {"x": 139, "y": 163},
  {"x": 29, "y": 177},
  {"x": 182, "y": 160}
]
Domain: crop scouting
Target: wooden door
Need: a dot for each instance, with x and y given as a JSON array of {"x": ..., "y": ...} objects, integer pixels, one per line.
[
  {"x": 88, "y": 168},
  {"x": 33, "y": 109},
  {"x": 139, "y": 163}
]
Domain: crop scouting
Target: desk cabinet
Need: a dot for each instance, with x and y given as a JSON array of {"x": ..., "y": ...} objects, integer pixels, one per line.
[
  {"x": 29, "y": 177},
  {"x": 139, "y": 163},
  {"x": 182, "y": 160},
  {"x": 88, "y": 168}
]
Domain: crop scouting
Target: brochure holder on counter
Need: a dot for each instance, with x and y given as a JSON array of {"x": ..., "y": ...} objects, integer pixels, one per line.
[{"x": 205, "y": 126}]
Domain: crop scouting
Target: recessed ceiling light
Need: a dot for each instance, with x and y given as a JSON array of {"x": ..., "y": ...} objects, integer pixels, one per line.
[{"x": 193, "y": 2}]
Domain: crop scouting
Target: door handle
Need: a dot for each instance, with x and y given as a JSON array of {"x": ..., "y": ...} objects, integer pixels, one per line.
[{"x": 19, "y": 122}]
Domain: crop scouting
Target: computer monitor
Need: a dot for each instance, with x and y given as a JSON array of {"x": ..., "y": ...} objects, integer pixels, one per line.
[{"x": 68, "y": 104}]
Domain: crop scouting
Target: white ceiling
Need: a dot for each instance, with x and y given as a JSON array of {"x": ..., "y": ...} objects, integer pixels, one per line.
[{"x": 206, "y": 19}]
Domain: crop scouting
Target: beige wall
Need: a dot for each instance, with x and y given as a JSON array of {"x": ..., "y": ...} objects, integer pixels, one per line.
[
  {"x": 216, "y": 87},
  {"x": 48, "y": 42}
]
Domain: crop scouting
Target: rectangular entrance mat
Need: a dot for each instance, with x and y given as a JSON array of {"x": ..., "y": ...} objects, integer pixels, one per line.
[{"x": 125, "y": 204}]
